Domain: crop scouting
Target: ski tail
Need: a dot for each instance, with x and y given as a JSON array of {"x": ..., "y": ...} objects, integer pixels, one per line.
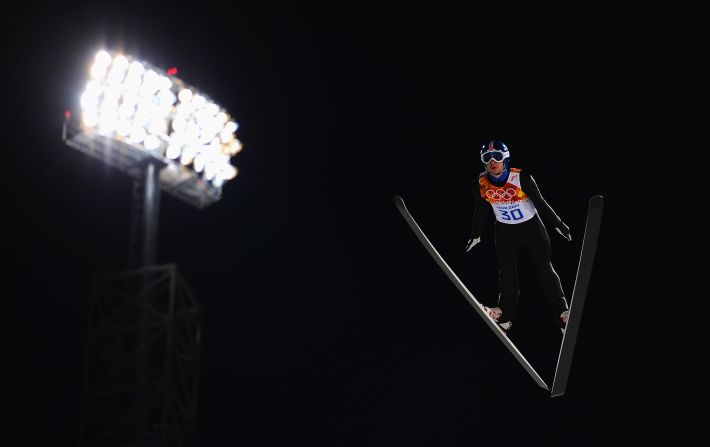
[{"x": 581, "y": 284}]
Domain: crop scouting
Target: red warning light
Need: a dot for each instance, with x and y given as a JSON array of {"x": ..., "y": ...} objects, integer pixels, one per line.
[
  {"x": 172, "y": 71},
  {"x": 67, "y": 114}
]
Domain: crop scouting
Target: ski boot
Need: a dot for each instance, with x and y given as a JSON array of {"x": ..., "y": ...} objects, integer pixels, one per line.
[
  {"x": 564, "y": 317},
  {"x": 495, "y": 314}
]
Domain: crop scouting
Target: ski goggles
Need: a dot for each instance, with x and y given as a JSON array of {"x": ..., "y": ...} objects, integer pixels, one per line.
[{"x": 489, "y": 156}]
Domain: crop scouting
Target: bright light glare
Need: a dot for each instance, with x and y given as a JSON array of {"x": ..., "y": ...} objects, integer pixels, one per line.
[
  {"x": 97, "y": 72},
  {"x": 157, "y": 127},
  {"x": 173, "y": 152},
  {"x": 235, "y": 147},
  {"x": 89, "y": 100},
  {"x": 107, "y": 123},
  {"x": 210, "y": 171},
  {"x": 100, "y": 65},
  {"x": 230, "y": 127},
  {"x": 164, "y": 83},
  {"x": 103, "y": 58},
  {"x": 94, "y": 87},
  {"x": 136, "y": 103},
  {"x": 123, "y": 128},
  {"x": 198, "y": 101},
  {"x": 199, "y": 163},
  {"x": 151, "y": 142},
  {"x": 136, "y": 68},
  {"x": 179, "y": 124},
  {"x": 229, "y": 172},
  {"x": 137, "y": 135},
  {"x": 90, "y": 118},
  {"x": 226, "y": 137},
  {"x": 120, "y": 63},
  {"x": 151, "y": 82},
  {"x": 126, "y": 110},
  {"x": 166, "y": 97},
  {"x": 185, "y": 95},
  {"x": 211, "y": 109}
]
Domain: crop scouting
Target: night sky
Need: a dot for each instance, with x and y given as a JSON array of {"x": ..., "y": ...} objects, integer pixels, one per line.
[{"x": 325, "y": 320}]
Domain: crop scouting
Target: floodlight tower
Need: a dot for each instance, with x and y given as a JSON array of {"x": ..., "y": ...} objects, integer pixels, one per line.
[
  {"x": 165, "y": 134},
  {"x": 144, "y": 323}
]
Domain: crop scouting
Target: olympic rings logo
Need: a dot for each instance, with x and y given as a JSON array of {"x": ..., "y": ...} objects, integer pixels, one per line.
[{"x": 500, "y": 194}]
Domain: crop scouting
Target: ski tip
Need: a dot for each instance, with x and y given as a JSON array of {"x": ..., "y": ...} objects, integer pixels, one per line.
[
  {"x": 597, "y": 200},
  {"x": 398, "y": 200}
]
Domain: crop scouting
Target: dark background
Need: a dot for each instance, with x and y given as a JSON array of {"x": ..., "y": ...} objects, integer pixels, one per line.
[{"x": 325, "y": 320}]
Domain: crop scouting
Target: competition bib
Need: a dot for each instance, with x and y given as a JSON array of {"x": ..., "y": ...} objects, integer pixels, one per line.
[{"x": 510, "y": 204}]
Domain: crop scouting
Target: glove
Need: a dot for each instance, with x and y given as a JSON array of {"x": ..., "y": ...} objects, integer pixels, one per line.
[
  {"x": 564, "y": 231},
  {"x": 472, "y": 242}
]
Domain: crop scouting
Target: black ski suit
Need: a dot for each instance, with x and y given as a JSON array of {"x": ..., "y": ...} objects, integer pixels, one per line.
[{"x": 510, "y": 237}]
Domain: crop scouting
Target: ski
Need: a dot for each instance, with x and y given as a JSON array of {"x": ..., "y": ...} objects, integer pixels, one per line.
[
  {"x": 466, "y": 293},
  {"x": 581, "y": 284}
]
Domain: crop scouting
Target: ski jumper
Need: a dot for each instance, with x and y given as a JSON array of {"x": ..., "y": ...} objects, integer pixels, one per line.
[{"x": 517, "y": 204}]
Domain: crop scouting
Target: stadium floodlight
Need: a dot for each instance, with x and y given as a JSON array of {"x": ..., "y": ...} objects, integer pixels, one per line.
[
  {"x": 166, "y": 134},
  {"x": 131, "y": 115}
]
